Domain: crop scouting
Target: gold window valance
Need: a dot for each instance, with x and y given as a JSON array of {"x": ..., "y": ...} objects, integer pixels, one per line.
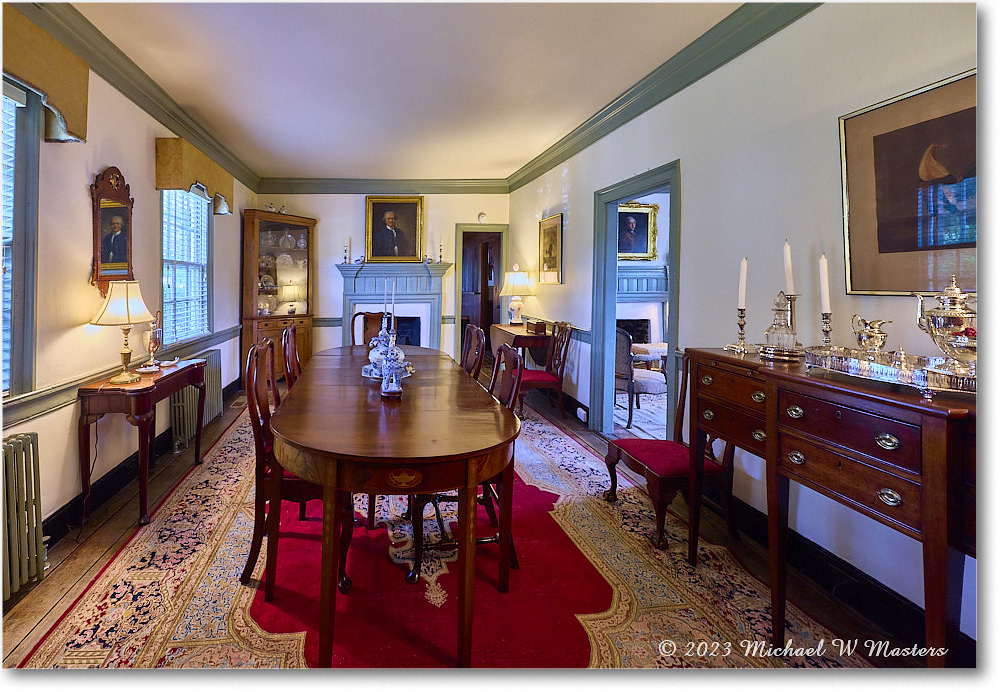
[
  {"x": 35, "y": 59},
  {"x": 179, "y": 165}
]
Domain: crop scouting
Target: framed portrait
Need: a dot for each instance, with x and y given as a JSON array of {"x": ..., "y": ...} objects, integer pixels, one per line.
[
  {"x": 393, "y": 229},
  {"x": 550, "y": 250},
  {"x": 112, "y": 229},
  {"x": 637, "y": 231},
  {"x": 909, "y": 180}
]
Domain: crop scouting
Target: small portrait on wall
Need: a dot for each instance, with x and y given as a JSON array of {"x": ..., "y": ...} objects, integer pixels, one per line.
[
  {"x": 112, "y": 230},
  {"x": 114, "y": 237},
  {"x": 550, "y": 250},
  {"x": 637, "y": 231},
  {"x": 393, "y": 229}
]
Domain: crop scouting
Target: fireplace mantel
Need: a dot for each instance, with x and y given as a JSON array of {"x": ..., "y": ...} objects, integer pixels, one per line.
[{"x": 416, "y": 283}]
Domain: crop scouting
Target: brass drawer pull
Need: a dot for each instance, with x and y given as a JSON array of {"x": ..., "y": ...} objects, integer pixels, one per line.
[
  {"x": 797, "y": 457},
  {"x": 758, "y": 435},
  {"x": 707, "y": 414},
  {"x": 890, "y": 497},
  {"x": 758, "y": 396},
  {"x": 706, "y": 380},
  {"x": 795, "y": 411},
  {"x": 887, "y": 441}
]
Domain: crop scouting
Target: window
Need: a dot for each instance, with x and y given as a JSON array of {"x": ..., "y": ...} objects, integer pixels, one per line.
[
  {"x": 187, "y": 276},
  {"x": 21, "y": 136}
]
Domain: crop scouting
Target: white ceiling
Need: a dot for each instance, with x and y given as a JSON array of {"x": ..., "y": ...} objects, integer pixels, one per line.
[{"x": 396, "y": 90}]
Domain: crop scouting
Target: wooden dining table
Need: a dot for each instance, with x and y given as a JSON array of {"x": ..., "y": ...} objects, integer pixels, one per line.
[{"x": 446, "y": 432}]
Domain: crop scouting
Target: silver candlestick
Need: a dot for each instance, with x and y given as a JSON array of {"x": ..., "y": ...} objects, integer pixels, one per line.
[
  {"x": 741, "y": 345},
  {"x": 791, "y": 315},
  {"x": 825, "y": 316}
]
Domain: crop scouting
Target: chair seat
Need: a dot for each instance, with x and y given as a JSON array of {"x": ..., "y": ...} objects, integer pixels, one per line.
[
  {"x": 664, "y": 458},
  {"x": 653, "y": 351},
  {"x": 650, "y": 381},
  {"x": 536, "y": 376}
]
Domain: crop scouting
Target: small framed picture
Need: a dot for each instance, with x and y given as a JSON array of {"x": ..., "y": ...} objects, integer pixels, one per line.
[
  {"x": 550, "y": 250},
  {"x": 637, "y": 231},
  {"x": 112, "y": 229},
  {"x": 393, "y": 229}
]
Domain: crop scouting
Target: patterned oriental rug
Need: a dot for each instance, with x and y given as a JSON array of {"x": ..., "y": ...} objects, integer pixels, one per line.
[{"x": 591, "y": 590}]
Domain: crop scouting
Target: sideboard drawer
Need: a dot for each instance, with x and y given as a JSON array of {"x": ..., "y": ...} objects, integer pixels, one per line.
[
  {"x": 730, "y": 386},
  {"x": 742, "y": 429},
  {"x": 891, "y": 441},
  {"x": 888, "y": 496}
]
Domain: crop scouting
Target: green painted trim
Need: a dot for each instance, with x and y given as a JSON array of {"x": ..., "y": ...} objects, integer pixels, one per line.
[
  {"x": 747, "y": 26},
  {"x": 460, "y": 230},
  {"x": 65, "y": 23},
  {"x": 373, "y": 186},
  {"x": 581, "y": 335},
  {"x": 605, "y": 297},
  {"x": 328, "y": 322},
  {"x": 23, "y": 408},
  {"x": 448, "y": 319}
]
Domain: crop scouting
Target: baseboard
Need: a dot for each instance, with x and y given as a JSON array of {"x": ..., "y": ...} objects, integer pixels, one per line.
[{"x": 845, "y": 583}]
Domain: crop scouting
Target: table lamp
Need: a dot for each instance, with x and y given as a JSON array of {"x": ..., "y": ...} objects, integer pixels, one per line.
[
  {"x": 123, "y": 308},
  {"x": 290, "y": 294},
  {"x": 515, "y": 285}
]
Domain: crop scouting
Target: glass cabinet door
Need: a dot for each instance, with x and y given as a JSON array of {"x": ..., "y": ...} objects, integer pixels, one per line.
[{"x": 283, "y": 269}]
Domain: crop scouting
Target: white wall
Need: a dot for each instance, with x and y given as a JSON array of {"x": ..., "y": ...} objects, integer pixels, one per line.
[
  {"x": 67, "y": 347},
  {"x": 758, "y": 145},
  {"x": 341, "y": 220}
]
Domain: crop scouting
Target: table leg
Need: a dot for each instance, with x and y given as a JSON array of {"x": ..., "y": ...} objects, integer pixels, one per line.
[
  {"x": 466, "y": 564},
  {"x": 695, "y": 480},
  {"x": 83, "y": 441},
  {"x": 197, "y": 427},
  {"x": 506, "y": 539},
  {"x": 777, "y": 538},
  {"x": 328, "y": 573},
  {"x": 144, "y": 422}
]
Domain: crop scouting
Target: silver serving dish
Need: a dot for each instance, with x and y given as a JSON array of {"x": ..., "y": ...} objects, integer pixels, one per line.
[
  {"x": 952, "y": 326},
  {"x": 929, "y": 374}
]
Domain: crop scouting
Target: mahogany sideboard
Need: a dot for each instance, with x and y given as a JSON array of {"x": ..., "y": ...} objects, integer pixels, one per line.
[
  {"x": 880, "y": 449},
  {"x": 137, "y": 401}
]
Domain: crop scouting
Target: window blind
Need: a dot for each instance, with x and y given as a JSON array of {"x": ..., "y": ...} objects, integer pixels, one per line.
[{"x": 185, "y": 266}]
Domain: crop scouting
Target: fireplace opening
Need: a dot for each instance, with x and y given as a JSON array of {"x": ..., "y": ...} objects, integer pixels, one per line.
[
  {"x": 408, "y": 331},
  {"x": 637, "y": 329}
]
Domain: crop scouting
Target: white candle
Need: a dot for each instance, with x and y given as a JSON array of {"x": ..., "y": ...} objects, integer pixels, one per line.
[
  {"x": 789, "y": 283},
  {"x": 348, "y": 250},
  {"x": 824, "y": 284},
  {"x": 742, "y": 303},
  {"x": 385, "y": 294},
  {"x": 393, "y": 296}
]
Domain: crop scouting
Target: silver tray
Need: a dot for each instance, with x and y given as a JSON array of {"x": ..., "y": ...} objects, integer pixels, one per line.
[{"x": 929, "y": 374}]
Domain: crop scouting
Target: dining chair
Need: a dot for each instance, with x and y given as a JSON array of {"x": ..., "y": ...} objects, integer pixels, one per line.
[
  {"x": 272, "y": 483},
  {"x": 290, "y": 351},
  {"x": 371, "y": 325},
  {"x": 473, "y": 350},
  {"x": 666, "y": 467},
  {"x": 505, "y": 384},
  {"x": 551, "y": 377},
  {"x": 634, "y": 380}
]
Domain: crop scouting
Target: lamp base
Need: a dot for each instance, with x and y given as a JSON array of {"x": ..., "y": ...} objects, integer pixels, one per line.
[{"x": 124, "y": 377}]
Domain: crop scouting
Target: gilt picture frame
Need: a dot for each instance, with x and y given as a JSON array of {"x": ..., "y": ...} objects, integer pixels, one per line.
[
  {"x": 550, "y": 250},
  {"x": 400, "y": 241},
  {"x": 908, "y": 168},
  {"x": 112, "y": 207},
  {"x": 637, "y": 231}
]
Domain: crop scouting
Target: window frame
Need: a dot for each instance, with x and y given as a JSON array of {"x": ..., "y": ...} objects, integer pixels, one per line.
[
  {"x": 24, "y": 245},
  {"x": 199, "y": 191}
]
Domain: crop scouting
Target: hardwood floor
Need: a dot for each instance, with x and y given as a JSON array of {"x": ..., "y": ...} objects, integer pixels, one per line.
[{"x": 76, "y": 559}]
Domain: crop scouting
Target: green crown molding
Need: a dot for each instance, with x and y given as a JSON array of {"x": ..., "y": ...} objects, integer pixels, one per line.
[
  {"x": 67, "y": 25},
  {"x": 743, "y": 29},
  {"x": 377, "y": 186}
]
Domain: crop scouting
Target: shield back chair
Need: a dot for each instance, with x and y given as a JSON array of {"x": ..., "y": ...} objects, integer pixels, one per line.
[
  {"x": 371, "y": 324},
  {"x": 634, "y": 380},
  {"x": 504, "y": 386},
  {"x": 665, "y": 466},
  {"x": 273, "y": 483},
  {"x": 473, "y": 350},
  {"x": 290, "y": 351},
  {"x": 551, "y": 377}
]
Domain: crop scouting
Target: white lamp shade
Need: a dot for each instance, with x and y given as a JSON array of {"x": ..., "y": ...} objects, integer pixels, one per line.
[
  {"x": 123, "y": 305},
  {"x": 289, "y": 293},
  {"x": 516, "y": 284}
]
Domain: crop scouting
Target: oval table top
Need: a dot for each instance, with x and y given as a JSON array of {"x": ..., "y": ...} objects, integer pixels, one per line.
[{"x": 443, "y": 413}]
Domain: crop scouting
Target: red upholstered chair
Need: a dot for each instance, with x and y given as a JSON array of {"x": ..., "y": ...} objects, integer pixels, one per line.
[
  {"x": 473, "y": 350},
  {"x": 371, "y": 324},
  {"x": 290, "y": 351},
  {"x": 273, "y": 483},
  {"x": 555, "y": 366},
  {"x": 665, "y": 466},
  {"x": 504, "y": 386}
]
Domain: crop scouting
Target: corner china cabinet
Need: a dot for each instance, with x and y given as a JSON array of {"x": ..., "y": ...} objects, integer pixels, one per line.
[{"x": 279, "y": 284}]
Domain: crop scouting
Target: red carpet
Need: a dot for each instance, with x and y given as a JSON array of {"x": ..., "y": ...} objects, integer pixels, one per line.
[{"x": 385, "y": 622}]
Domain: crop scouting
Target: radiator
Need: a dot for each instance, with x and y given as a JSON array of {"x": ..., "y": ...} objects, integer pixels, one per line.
[
  {"x": 184, "y": 404},
  {"x": 23, "y": 546}
]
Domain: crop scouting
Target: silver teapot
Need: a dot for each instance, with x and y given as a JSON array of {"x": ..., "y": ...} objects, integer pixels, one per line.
[
  {"x": 952, "y": 326},
  {"x": 869, "y": 333}
]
